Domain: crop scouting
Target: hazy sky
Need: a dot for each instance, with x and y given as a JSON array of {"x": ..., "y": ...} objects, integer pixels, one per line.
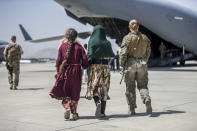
[{"x": 41, "y": 18}]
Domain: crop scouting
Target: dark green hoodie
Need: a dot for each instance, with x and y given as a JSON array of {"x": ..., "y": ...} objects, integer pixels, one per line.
[{"x": 98, "y": 45}]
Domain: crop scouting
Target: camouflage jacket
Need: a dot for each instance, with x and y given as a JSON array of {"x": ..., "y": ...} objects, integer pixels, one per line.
[
  {"x": 9, "y": 47},
  {"x": 136, "y": 45}
]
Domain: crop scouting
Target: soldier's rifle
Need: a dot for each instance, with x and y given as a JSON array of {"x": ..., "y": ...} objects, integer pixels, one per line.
[
  {"x": 6, "y": 60},
  {"x": 7, "y": 65},
  {"x": 122, "y": 75}
]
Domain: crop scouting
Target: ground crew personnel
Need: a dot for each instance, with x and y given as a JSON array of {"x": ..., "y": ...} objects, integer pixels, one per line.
[
  {"x": 12, "y": 54},
  {"x": 162, "y": 49},
  {"x": 134, "y": 55},
  {"x": 117, "y": 61}
]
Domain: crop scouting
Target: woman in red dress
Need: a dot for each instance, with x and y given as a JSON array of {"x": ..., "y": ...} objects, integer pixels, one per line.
[{"x": 71, "y": 57}]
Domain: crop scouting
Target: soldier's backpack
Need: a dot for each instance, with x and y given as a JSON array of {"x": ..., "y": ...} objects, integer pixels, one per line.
[{"x": 13, "y": 52}]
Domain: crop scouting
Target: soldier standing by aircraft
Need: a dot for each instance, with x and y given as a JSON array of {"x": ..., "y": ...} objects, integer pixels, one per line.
[
  {"x": 162, "y": 49},
  {"x": 117, "y": 61},
  {"x": 12, "y": 54},
  {"x": 134, "y": 55}
]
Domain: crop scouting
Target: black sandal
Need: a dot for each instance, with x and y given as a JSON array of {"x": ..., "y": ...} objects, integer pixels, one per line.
[{"x": 75, "y": 116}]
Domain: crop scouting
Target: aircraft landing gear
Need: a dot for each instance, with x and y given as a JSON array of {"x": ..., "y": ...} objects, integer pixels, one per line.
[{"x": 182, "y": 63}]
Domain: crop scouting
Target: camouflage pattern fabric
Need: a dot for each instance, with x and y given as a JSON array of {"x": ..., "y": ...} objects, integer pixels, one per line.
[
  {"x": 136, "y": 73},
  {"x": 98, "y": 81},
  {"x": 162, "y": 49},
  {"x": 134, "y": 54},
  {"x": 135, "y": 45},
  {"x": 14, "y": 64},
  {"x": 13, "y": 73},
  {"x": 13, "y": 52}
]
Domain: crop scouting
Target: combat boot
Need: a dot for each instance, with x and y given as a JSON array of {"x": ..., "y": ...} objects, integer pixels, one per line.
[
  {"x": 148, "y": 107},
  {"x": 108, "y": 98},
  {"x": 11, "y": 87},
  {"x": 14, "y": 88}
]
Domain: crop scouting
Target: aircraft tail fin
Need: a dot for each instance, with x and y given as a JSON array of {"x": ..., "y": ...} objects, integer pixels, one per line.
[
  {"x": 28, "y": 38},
  {"x": 25, "y": 34}
]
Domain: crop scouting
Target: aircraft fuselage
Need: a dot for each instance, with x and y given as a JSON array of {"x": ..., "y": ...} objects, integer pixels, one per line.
[
  {"x": 3, "y": 44},
  {"x": 173, "y": 20}
]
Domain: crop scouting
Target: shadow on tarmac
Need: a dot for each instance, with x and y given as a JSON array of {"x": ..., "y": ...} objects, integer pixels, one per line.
[
  {"x": 107, "y": 117},
  {"x": 154, "y": 114},
  {"x": 167, "y": 112},
  {"x": 171, "y": 69},
  {"x": 31, "y": 89}
]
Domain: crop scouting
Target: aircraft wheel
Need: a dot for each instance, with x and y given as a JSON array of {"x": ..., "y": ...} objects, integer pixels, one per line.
[
  {"x": 182, "y": 63},
  {"x": 174, "y": 64}
]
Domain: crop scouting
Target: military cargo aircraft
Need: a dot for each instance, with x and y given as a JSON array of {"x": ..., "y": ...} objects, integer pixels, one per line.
[{"x": 173, "y": 22}]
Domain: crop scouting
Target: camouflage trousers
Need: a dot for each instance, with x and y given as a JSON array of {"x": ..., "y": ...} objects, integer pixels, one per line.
[
  {"x": 136, "y": 73},
  {"x": 162, "y": 54},
  {"x": 13, "y": 73}
]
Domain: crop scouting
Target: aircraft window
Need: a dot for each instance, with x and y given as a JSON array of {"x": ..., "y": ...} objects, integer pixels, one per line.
[{"x": 178, "y": 18}]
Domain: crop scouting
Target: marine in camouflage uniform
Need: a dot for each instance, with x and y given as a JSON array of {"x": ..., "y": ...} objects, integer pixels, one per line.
[
  {"x": 13, "y": 62},
  {"x": 162, "y": 49},
  {"x": 134, "y": 55}
]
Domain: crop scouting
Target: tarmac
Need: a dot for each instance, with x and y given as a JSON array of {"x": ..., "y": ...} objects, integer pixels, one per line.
[{"x": 173, "y": 91}]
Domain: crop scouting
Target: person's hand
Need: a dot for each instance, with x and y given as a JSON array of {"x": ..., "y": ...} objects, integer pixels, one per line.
[{"x": 56, "y": 74}]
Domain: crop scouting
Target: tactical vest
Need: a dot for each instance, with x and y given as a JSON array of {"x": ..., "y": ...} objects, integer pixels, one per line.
[
  {"x": 13, "y": 52},
  {"x": 137, "y": 46}
]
